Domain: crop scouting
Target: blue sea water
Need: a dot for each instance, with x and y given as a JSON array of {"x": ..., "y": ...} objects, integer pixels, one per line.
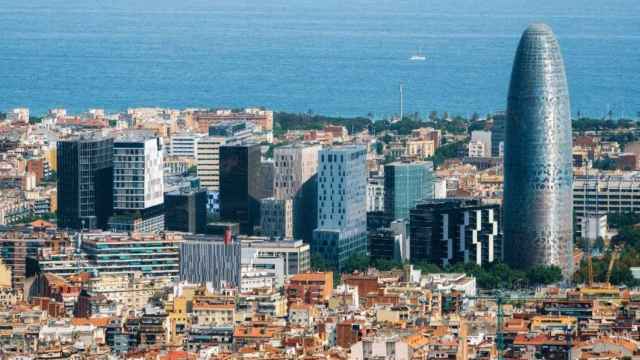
[{"x": 343, "y": 57}]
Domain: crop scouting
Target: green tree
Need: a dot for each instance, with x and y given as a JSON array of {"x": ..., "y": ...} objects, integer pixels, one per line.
[{"x": 318, "y": 263}]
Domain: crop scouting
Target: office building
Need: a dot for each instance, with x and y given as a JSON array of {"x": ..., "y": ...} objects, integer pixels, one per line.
[
  {"x": 186, "y": 210},
  {"x": 384, "y": 243},
  {"x": 210, "y": 259},
  {"x": 342, "y": 216},
  {"x": 263, "y": 119},
  {"x": 405, "y": 185},
  {"x": 538, "y": 198},
  {"x": 375, "y": 194},
  {"x": 138, "y": 184},
  {"x": 153, "y": 255},
  {"x": 184, "y": 145},
  {"x": 208, "y": 149},
  {"x": 295, "y": 253},
  {"x": 85, "y": 182},
  {"x": 237, "y": 130},
  {"x": 242, "y": 185},
  {"x": 295, "y": 179},
  {"x": 602, "y": 193},
  {"x": 276, "y": 218},
  {"x": 209, "y": 162},
  {"x": 450, "y": 231}
]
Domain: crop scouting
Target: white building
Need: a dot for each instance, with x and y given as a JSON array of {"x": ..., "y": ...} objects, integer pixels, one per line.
[
  {"x": 383, "y": 347},
  {"x": 138, "y": 183},
  {"x": 295, "y": 253},
  {"x": 375, "y": 194},
  {"x": 184, "y": 145},
  {"x": 480, "y": 144},
  {"x": 440, "y": 188},
  {"x": 594, "y": 226}
]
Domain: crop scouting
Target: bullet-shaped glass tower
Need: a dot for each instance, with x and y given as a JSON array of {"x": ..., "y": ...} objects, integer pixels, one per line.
[{"x": 538, "y": 194}]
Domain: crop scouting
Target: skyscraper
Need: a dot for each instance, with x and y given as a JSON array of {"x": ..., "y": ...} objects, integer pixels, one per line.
[
  {"x": 138, "y": 183},
  {"x": 405, "y": 185},
  {"x": 242, "y": 185},
  {"x": 449, "y": 231},
  {"x": 295, "y": 187},
  {"x": 342, "y": 210},
  {"x": 538, "y": 223},
  {"x": 85, "y": 178}
]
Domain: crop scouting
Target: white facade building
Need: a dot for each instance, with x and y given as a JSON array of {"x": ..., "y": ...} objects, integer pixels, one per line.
[
  {"x": 138, "y": 183},
  {"x": 184, "y": 145}
]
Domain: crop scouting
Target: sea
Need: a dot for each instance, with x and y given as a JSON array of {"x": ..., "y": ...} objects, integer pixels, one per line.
[{"x": 334, "y": 57}]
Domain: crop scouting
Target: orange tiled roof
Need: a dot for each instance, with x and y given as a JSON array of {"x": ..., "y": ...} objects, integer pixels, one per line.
[
  {"x": 42, "y": 224},
  {"x": 96, "y": 321},
  {"x": 316, "y": 276}
]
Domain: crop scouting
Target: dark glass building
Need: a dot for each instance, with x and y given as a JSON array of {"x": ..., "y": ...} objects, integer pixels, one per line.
[
  {"x": 241, "y": 185},
  {"x": 450, "y": 231},
  {"x": 85, "y": 182},
  {"x": 186, "y": 211},
  {"x": 405, "y": 185},
  {"x": 538, "y": 198}
]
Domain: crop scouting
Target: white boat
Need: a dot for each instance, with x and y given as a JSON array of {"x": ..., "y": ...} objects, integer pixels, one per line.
[{"x": 419, "y": 56}]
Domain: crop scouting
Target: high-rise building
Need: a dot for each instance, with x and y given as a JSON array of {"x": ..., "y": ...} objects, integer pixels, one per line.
[
  {"x": 138, "y": 184},
  {"x": 342, "y": 197},
  {"x": 450, "y": 231},
  {"x": 208, "y": 149},
  {"x": 538, "y": 200},
  {"x": 241, "y": 185},
  {"x": 209, "y": 162},
  {"x": 295, "y": 180},
  {"x": 186, "y": 210},
  {"x": 85, "y": 181},
  {"x": 406, "y": 185}
]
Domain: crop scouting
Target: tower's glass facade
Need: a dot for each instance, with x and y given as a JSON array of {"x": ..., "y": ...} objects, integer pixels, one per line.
[
  {"x": 538, "y": 223},
  {"x": 405, "y": 185},
  {"x": 342, "y": 210}
]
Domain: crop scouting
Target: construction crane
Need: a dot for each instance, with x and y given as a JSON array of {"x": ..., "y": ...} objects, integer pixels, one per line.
[{"x": 615, "y": 254}]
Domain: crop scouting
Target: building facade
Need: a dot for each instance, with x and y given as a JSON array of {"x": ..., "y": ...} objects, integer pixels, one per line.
[
  {"x": 450, "y": 231},
  {"x": 186, "y": 210},
  {"x": 210, "y": 259},
  {"x": 138, "y": 184},
  {"x": 241, "y": 185},
  {"x": 342, "y": 216},
  {"x": 295, "y": 179},
  {"x": 153, "y": 255},
  {"x": 405, "y": 185},
  {"x": 85, "y": 182},
  {"x": 538, "y": 199}
]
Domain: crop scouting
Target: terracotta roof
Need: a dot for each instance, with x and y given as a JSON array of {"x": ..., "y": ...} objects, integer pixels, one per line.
[
  {"x": 317, "y": 276},
  {"x": 96, "y": 321},
  {"x": 42, "y": 224}
]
